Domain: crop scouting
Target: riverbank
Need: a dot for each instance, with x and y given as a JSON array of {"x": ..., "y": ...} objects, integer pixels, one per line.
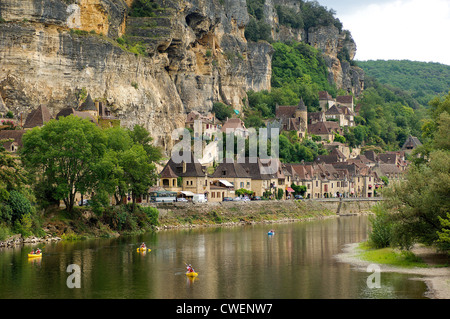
[
  {"x": 435, "y": 276},
  {"x": 83, "y": 223}
]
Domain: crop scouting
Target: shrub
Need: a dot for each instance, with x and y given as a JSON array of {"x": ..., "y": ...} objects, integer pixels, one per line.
[
  {"x": 152, "y": 215},
  {"x": 381, "y": 234},
  {"x": 19, "y": 204},
  {"x": 24, "y": 225}
]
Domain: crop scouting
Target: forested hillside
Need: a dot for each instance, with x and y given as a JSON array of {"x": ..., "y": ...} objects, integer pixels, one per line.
[{"x": 421, "y": 79}]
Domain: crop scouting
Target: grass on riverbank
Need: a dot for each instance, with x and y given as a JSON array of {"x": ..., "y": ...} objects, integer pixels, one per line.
[{"x": 390, "y": 256}]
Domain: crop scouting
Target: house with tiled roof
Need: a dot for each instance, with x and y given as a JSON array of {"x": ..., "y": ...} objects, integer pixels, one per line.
[
  {"x": 12, "y": 139},
  {"x": 325, "y": 130},
  {"x": 325, "y": 100},
  {"x": 71, "y": 111},
  {"x": 410, "y": 144},
  {"x": 346, "y": 101},
  {"x": 234, "y": 173},
  {"x": 89, "y": 106},
  {"x": 203, "y": 125},
  {"x": 236, "y": 126},
  {"x": 37, "y": 117},
  {"x": 293, "y": 118},
  {"x": 189, "y": 174}
]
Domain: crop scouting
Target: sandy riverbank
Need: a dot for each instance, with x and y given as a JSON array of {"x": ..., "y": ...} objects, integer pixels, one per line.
[{"x": 437, "y": 279}]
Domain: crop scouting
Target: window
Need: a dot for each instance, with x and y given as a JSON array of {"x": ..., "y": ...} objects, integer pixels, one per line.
[{"x": 242, "y": 185}]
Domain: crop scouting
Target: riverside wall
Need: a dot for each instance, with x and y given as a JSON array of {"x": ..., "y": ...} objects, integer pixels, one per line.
[{"x": 187, "y": 214}]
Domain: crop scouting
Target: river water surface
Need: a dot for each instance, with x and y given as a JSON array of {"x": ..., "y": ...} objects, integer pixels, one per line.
[{"x": 233, "y": 262}]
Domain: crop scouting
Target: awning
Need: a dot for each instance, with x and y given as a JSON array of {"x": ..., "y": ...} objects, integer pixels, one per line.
[
  {"x": 226, "y": 183},
  {"x": 187, "y": 193},
  {"x": 290, "y": 190}
]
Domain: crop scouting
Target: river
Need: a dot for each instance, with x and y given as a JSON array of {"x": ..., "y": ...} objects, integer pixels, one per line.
[{"x": 233, "y": 262}]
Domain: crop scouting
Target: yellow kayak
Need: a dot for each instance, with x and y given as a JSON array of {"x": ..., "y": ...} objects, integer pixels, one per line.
[
  {"x": 140, "y": 249},
  {"x": 34, "y": 255},
  {"x": 191, "y": 274}
]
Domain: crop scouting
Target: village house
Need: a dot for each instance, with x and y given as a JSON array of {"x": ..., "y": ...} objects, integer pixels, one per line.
[
  {"x": 37, "y": 117},
  {"x": 411, "y": 144},
  {"x": 293, "y": 118},
  {"x": 187, "y": 177},
  {"x": 326, "y": 101},
  {"x": 233, "y": 173},
  {"x": 236, "y": 126},
  {"x": 13, "y": 139},
  {"x": 203, "y": 126},
  {"x": 325, "y": 130}
]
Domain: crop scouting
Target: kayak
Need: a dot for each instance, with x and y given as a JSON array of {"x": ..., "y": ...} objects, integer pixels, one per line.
[
  {"x": 143, "y": 249},
  {"x": 271, "y": 233},
  {"x": 191, "y": 274},
  {"x": 34, "y": 255}
]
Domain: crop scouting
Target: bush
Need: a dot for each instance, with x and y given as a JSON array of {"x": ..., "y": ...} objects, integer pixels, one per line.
[
  {"x": 19, "y": 205},
  {"x": 152, "y": 215},
  {"x": 381, "y": 234},
  {"x": 222, "y": 111},
  {"x": 24, "y": 225}
]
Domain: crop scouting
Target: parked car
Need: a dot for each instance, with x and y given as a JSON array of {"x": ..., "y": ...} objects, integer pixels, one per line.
[
  {"x": 182, "y": 199},
  {"x": 245, "y": 199},
  {"x": 256, "y": 198},
  {"x": 236, "y": 199},
  {"x": 227, "y": 199},
  {"x": 299, "y": 197},
  {"x": 85, "y": 202},
  {"x": 199, "y": 198}
]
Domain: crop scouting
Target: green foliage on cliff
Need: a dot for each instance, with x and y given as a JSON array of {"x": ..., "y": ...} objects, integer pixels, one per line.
[
  {"x": 310, "y": 14},
  {"x": 301, "y": 68},
  {"x": 298, "y": 71},
  {"x": 143, "y": 8},
  {"x": 422, "y": 80}
]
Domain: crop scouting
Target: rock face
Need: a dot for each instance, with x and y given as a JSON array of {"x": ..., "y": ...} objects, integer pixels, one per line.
[{"x": 53, "y": 51}]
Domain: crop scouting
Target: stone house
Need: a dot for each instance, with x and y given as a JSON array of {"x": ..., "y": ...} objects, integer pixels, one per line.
[
  {"x": 202, "y": 125},
  {"x": 187, "y": 176},
  {"x": 235, "y": 126},
  {"x": 37, "y": 117},
  {"x": 293, "y": 118},
  {"x": 325, "y": 130},
  {"x": 234, "y": 173},
  {"x": 410, "y": 144}
]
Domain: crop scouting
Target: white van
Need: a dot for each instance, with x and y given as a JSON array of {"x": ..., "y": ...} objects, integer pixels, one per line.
[{"x": 199, "y": 198}]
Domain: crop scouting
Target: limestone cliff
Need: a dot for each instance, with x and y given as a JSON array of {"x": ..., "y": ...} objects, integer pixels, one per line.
[{"x": 54, "y": 51}]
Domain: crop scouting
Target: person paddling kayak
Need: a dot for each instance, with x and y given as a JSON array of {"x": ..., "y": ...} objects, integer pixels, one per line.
[{"x": 190, "y": 269}]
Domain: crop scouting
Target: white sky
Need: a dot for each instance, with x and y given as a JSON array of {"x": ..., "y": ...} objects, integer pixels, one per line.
[{"x": 414, "y": 30}]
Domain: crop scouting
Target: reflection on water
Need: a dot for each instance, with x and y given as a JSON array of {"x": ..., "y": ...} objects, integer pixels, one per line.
[{"x": 237, "y": 262}]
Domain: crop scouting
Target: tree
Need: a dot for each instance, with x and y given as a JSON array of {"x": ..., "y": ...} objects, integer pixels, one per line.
[
  {"x": 63, "y": 157},
  {"x": 222, "y": 111},
  {"x": 129, "y": 163},
  {"x": 12, "y": 176},
  {"x": 420, "y": 204},
  {"x": 140, "y": 135}
]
